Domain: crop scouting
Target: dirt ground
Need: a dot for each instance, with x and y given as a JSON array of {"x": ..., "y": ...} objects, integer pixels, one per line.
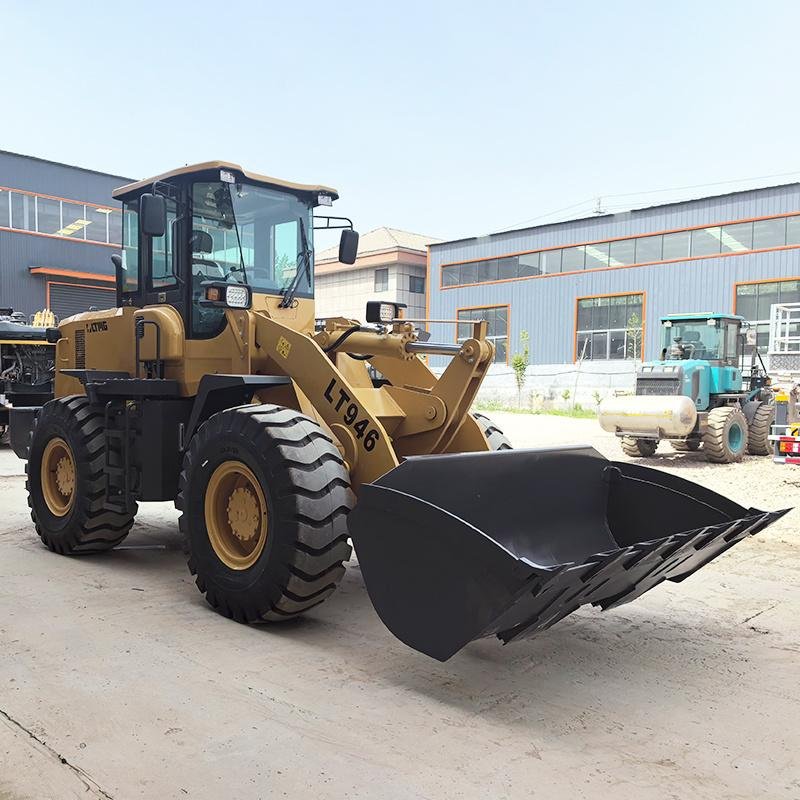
[{"x": 117, "y": 681}]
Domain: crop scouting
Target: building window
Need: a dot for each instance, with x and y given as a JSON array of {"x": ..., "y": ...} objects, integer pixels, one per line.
[
  {"x": 753, "y": 301},
  {"x": 49, "y": 214},
  {"x": 704, "y": 242},
  {"x": 381, "y": 280},
  {"x": 416, "y": 284},
  {"x": 610, "y": 328},
  {"x": 497, "y": 328},
  {"x": 32, "y": 213}
]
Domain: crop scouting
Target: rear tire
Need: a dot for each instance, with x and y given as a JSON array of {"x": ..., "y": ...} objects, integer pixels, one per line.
[
  {"x": 725, "y": 439},
  {"x": 686, "y": 445},
  {"x": 66, "y": 480},
  {"x": 496, "y": 438},
  {"x": 758, "y": 443},
  {"x": 285, "y": 553},
  {"x": 638, "y": 448}
]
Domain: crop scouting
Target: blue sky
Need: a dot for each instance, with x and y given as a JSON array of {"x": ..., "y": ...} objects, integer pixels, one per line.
[{"x": 449, "y": 119}]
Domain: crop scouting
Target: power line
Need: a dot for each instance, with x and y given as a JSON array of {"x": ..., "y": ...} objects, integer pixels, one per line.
[
  {"x": 542, "y": 216},
  {"x": 704, "y": 185},
  {"x": 618, "y": 206}
]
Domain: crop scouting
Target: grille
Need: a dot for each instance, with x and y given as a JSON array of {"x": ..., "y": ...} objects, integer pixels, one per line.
[
  {"x": 658, "y": 386},
  {"x": 80, "y": 349}
]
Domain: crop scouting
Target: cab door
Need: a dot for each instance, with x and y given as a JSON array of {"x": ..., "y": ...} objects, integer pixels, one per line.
[
  {"x": 163, "y": 263},
  {"x": 151, "y": 265}
]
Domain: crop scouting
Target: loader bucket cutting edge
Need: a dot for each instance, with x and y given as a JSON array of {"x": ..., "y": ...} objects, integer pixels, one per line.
[{"x": 457, "y": 547}]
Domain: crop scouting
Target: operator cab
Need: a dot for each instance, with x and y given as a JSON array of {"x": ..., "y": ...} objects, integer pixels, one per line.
[
  {"x": 213, "y": 236},
  {"x": 702, "y": 337}
]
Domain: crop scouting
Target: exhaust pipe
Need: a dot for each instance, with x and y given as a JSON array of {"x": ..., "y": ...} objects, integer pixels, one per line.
[{"x": 458, "y": 547}]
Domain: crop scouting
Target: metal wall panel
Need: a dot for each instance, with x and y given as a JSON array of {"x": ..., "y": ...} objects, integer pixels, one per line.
[
  {"x": 59, "y": 180},
  {"x": 19, "y": 251},
  {"x": 545, "y": 306}
]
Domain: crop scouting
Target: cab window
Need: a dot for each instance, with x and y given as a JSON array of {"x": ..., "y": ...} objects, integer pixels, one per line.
[
  {"x": 732, "y": 344},
  {"x": 130, "y": 246}
]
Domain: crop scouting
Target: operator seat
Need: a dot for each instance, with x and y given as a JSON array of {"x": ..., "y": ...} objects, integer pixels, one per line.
[
  {"x": 694, "y": 344},
  {"x": 201, "y": 242}
]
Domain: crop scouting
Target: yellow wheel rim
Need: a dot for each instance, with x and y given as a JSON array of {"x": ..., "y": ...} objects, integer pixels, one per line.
[
  {"x": 58, "y": 477},
  {"x": 236, "y": 515}
]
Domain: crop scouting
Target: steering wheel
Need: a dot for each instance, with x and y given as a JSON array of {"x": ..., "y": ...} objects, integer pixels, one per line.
[{"x": 683, "y": 346}]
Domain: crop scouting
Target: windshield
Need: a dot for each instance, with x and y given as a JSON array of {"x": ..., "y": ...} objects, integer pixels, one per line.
[
  {"x": 250, "y": 234},
  {"x": 693, "y": 339}
]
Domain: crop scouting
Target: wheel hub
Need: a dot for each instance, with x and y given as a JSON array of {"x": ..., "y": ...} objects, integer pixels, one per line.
[
  {"x": 65, "y": 476},
  {"x": 235, "y": 509},
  {"x": 243, "y": 514},
  {"x": 58, "y": 477}
]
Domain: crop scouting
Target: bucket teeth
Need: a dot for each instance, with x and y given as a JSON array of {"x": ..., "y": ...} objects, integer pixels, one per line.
[
  {"x": 612, "y": 579},
  {"x": 457, "y": 547}
]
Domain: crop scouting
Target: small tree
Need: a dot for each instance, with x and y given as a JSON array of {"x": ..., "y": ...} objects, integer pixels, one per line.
[
  {"x": 633, "y": 337},
  {"x": 519, "y": 363}
]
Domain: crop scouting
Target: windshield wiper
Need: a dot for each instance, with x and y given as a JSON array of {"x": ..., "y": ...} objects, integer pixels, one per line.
[{"x": 303, "y": 260}]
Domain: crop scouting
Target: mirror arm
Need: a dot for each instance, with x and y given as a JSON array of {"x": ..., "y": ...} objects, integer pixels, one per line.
[{"x": 347, "y": 223}]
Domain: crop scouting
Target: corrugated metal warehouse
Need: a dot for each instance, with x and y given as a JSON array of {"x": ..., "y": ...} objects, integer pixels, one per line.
[
  {"x": 58, "y": 229},
  {"x": 596, "y": 287}
]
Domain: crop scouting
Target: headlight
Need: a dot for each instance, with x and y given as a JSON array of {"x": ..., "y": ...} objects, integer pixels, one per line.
[
  {"x": 225, "y": 295},
  {"x": 237, "y": 297},
  {"x": 383, "y": 312}
]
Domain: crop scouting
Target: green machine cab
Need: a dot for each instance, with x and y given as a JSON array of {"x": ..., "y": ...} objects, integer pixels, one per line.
[{"x": 698, "y": 393}]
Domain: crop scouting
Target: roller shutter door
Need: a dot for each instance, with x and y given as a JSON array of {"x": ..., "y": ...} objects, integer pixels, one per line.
[{"x": 69, "y": 299}]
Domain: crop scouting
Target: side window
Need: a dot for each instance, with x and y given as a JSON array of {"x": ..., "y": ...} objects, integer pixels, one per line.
[
  {"x": 162, "y": 272},
  {"x": 130, "y": 247},
  {"x": 732, "y": 344}
]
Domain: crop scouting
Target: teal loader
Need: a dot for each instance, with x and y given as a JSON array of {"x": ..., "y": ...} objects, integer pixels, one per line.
[{"x": 698, "y": 394}]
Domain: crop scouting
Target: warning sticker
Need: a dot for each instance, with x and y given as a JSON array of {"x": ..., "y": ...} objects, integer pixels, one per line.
[{"x": 283, "y": 347}]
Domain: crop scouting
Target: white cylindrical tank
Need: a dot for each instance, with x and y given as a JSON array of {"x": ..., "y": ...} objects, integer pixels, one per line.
[{"x": 665, "y": 416}]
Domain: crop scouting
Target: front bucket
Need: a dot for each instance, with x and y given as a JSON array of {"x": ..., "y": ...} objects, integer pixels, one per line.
[{"x": 457, "y": 547}]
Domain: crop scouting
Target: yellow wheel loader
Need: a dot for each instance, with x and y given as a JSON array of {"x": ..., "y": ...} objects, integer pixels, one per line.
[{"x": 213, "y": 385}]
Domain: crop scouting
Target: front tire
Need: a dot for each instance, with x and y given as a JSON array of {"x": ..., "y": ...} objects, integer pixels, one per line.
[
  {"x": 725, "y": 439},
  {"x": 67, "y": 483},
  {"x": 638, "y": 448},
  {"x": 758, "y": 443},
  {"x": 264, "y": 496}
]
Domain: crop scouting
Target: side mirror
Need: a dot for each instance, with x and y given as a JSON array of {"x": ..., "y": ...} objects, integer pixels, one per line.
[
  {"x": 348, "y": 246},
  {"x": 153, "y": 214},
  {"x": 116, "y": 260}
]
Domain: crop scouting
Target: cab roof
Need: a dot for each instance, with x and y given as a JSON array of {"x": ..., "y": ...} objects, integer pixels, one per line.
[
  {"x": 700, "y": 315},
  {"x": 265, "y": 180}
]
